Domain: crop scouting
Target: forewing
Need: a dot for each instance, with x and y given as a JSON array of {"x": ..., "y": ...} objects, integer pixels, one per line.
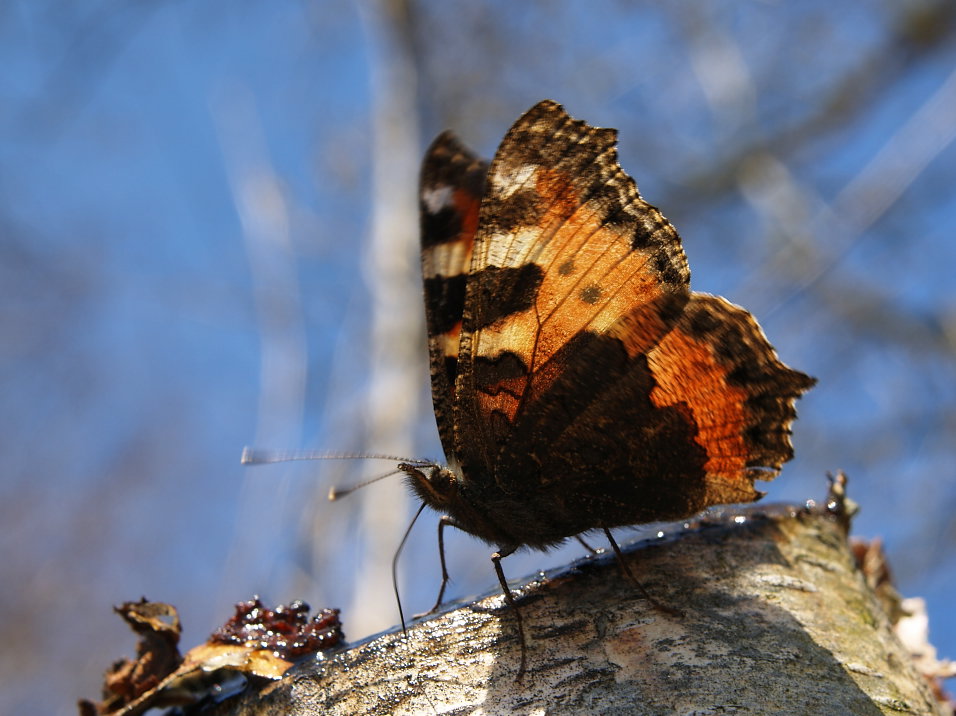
[
  {"x": 451, "y": 185},
  {"x": 565, "y": 248}
]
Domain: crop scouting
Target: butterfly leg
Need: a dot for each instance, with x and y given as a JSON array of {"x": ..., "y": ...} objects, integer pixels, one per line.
[
  {"x": 510, "y": 600},
  {"x": 443, "y": 521},
  {"x": 586, "y": 546},
  {"x": 622, "y": 563}
]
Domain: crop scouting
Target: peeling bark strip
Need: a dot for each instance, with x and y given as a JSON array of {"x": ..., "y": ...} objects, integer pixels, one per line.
[{"x": 777, "y": 619}]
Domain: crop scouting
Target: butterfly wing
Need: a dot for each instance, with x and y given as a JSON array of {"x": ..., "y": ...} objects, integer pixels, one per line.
[
  {"x": 577, "y": 381},
  {"x": 565, "y": 249},
  {"x": 718, "y": 365},
  {"x": 451, "y": 185},
  {"x": 690, "y": 424},
  {"x": 593, "y": 389}
]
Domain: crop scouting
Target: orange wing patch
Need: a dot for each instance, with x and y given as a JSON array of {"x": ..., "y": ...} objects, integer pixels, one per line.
[
  {"x": 561, "y": 216},
  {"x": 687, "y": 372},
  {"x": 716, "y": 361}
]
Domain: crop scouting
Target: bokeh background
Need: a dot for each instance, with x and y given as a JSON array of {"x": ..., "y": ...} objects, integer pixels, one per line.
[{"x": 208, "y": 239}]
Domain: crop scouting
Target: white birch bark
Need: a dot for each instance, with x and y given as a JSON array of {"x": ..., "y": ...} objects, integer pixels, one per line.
[{"x": 776, "y": 619}]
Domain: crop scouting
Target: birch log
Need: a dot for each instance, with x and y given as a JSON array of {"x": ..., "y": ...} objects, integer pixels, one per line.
[{"x": 776, "y": 619}]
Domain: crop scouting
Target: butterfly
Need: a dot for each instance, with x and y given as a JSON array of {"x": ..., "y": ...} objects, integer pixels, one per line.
[{"x": 578, "y": 383}]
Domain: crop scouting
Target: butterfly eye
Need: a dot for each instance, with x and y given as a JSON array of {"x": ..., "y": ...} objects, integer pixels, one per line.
[
  {"x": 443, "y": 480},
  {"x": 440, "y": 484}
]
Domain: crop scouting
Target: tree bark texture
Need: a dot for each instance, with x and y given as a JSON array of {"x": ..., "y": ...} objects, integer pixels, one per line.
[{"x": 775, "y": 618}]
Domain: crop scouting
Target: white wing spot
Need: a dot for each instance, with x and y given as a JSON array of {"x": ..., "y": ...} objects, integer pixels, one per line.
[
  {"x": 437, "y": 198},
  {"x": 447, "y": 260},
  {"x": 508, "y": 182}
]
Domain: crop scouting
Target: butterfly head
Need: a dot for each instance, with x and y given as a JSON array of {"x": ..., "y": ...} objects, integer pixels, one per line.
[{"x": 436, "y": 485}]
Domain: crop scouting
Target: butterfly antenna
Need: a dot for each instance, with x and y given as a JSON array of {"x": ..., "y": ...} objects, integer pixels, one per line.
[
  {"x": 336, "y": 493},
  {"x": 251, "y": 456},
  {"x": 398, "y": 552}
]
